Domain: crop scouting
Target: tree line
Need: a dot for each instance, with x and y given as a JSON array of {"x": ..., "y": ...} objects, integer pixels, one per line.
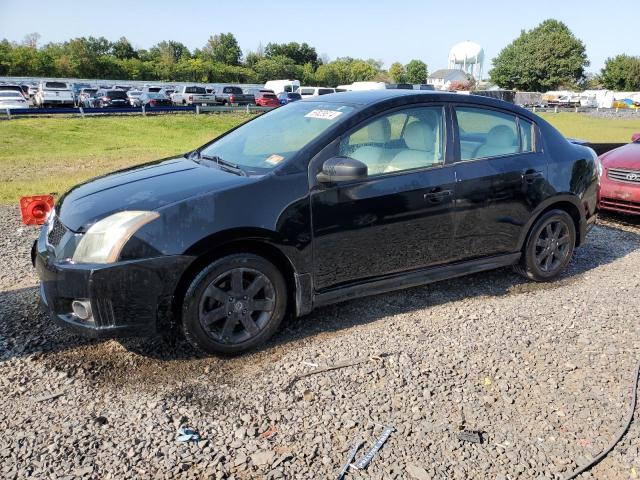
[
  {"x": 547, "y": 57},
  {"x": 219, "y": 60},
  {"x": 551, "y": 57}
]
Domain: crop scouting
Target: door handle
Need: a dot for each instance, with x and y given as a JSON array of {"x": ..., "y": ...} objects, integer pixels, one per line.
[
  {"x": 436, "y": 196},
  {"x": 531, "y": 175}
]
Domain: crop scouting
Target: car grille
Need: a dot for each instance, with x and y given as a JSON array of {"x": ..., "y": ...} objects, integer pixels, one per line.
[
  {"x": 624, "y": 175},
  {"x": 56, "y": 233},
  {"x": 620, "y": 205}
]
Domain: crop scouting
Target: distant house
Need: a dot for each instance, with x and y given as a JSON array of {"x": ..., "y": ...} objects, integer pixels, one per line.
[{"x": 441, "y": 79}]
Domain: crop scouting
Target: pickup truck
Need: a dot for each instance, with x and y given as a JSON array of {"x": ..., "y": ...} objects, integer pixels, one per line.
[
  {"x": 234, "y": 96},
  {"x": 54, "y": 93},
  {"x": 192, "y": 95}
]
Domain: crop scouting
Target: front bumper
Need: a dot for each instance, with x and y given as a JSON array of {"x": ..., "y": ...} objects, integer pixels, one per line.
[
  {"x": 127, "y": 298},
  {"x": 619, "y": 197}
]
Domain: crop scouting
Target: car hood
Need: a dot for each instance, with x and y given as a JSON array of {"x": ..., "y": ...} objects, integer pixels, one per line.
[
  {"x": 145, "y": 187},
  {"x": 627, "y": 156}
]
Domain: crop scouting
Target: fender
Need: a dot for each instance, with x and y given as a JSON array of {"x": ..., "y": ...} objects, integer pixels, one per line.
[{"x": 546, "y": 205}]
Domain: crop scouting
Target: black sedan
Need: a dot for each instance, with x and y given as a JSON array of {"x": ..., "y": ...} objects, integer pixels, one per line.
[
  {"x": 111, "y": 98},
  {"x": 320, "y": 201}
]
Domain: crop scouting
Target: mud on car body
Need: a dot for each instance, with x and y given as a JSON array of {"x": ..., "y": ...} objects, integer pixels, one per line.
[{"x": 317, "y": 202}]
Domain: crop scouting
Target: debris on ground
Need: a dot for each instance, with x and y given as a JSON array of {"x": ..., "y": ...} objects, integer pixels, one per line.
[
  {"x": 364, "y": 461},
  {"x": 336, "y": 366},
  {"x": 350, "y": 456},
  {"x": 51, "y": 396},
  {"x": 187, "y": 434},
  {"x": 470, "y": 436}
]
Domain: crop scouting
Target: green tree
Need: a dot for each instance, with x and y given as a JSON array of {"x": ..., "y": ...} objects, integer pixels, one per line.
[
  {"x": 299, "y": 53},
  {"x": 397, "y": 73},
  {"x": 546, "y": 57},
  {"x": 622, "y": 72},
  {"x": 223, "y": 48},
  {"x": 122, "y": 49},
  {"x": 276, "y": 67},
  {"x": 417, "y": 72}
]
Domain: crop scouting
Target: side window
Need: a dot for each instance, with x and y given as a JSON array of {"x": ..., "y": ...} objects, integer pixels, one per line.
[
  {"x": 527, "y": 136},
  {"x": 486, "y": 133},
  {"x": 403, "y": 140}
]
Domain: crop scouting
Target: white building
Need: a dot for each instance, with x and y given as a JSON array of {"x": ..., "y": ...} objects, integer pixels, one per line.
[{"x": 442, "y": 79}]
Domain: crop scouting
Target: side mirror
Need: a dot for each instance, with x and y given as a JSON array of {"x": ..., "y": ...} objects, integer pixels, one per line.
[{"x": 342, "y": 169}]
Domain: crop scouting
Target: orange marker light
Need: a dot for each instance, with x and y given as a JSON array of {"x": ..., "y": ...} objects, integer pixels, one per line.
[{"x": 34, "y": 209}]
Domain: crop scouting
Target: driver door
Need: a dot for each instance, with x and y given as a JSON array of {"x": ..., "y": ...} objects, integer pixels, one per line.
[{"x": 400, "y": 217}]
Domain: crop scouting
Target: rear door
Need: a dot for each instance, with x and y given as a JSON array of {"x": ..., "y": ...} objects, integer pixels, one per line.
[
  {"x": 501, "y": 175},
  {"x": 398, "y": 219}
]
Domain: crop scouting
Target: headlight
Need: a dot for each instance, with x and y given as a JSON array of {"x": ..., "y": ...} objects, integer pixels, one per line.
[{"x": 104, "y": 240}]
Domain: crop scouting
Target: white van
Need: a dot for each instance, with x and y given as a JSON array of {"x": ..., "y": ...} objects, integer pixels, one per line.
[
  {"x": 356, "y": 86},
  {"x": 306, "y": 92},
  {"x": 281, "y": 86}
]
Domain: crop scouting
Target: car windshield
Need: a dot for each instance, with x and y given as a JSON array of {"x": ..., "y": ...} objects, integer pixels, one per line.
[
  {"x": 89, "y": 91},
  {"x": 117, "y": 94},
  {"x": 56, "y": 85},
  {"x": 277, "y": 136}
]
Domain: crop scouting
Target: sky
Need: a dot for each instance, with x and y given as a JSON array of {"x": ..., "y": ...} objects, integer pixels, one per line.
[{"x": 384, "y": 30}]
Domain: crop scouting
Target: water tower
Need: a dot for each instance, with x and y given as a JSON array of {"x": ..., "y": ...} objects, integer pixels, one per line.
[{"x": 468, "y": 57}]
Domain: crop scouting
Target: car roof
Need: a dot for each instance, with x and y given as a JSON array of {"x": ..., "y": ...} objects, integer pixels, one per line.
[{"x": 368, "y": 98}]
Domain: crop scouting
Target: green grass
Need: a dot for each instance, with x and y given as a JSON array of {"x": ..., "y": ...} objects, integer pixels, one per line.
[
  {"x": 594, "y": 129},
  {"x": 49, "y": 155}
]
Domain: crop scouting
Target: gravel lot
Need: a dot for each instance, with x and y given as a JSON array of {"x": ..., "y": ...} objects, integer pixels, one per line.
[{"x": 544, "y": 370}]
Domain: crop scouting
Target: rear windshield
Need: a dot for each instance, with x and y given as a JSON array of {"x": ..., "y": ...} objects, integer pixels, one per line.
[
  {"x": 117, "y": 94},
  {"x": 154, "y": 89},
  {"x": 58, "y": 85},
  {"x": 9, "y": 94},
  {"x": 306, "y": 91},
  {"x": 324, "y": 91},
  {"x": 294, "y": 95},
  {"x": 235, "y": 90},
  {"x": 198, "y": 90},
  {"x": 156, "y": 95},
  {"x": 134, "y": 93},
  {"x": 269, "y": 95},
  {"x": 90, "y": 91}
]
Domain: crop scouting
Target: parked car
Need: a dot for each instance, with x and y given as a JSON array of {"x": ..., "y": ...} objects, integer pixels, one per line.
[
  {"x": 234, "y": 96},
  {"x": 14, "y": 87},
  {"x": 12, "y": 99},
  {"x": 151, "y": 100},
  {"x": 620, "y": 179},
  {"x": 87, "y": 97},
  {"x": 266, "y": 98},
  {"x": 280, "y": 86},
  {"x": 134, "y": 98},
  {"x": 285, "y": 98},
  {"x": 54, "y": 94},
  {"x": 192, "y": 95},
  {"x": 151, "y": 89},
  {"x": 111, "y": 99},
  {"x": 76, "y": 88},
  {"x": 124, "y": 88},
  {"x": 306, "y": 92},
  {"x": 221, "y": 240}
]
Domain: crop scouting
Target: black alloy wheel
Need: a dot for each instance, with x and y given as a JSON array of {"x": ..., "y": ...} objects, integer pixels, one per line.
[
  {"x": 549, "y": 247},
  {"x": 234, "y": 304},
  {"x": 237, "y": 305}
]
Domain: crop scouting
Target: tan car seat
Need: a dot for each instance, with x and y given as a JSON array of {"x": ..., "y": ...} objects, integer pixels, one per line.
[
  {"x": 420, "y": 139},
  {"x": 373, "y": 155},
  {"x": 501, "y": 140}
]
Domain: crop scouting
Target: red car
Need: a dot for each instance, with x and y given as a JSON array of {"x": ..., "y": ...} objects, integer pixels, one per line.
[
  {"x": 620, "y": 179},
  {"x": 266, "y": 98}
]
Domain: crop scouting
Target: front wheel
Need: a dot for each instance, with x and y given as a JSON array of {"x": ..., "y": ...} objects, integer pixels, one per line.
[
  {"x": 549, "y": 247},
  {"x": 234, "y": 304}
]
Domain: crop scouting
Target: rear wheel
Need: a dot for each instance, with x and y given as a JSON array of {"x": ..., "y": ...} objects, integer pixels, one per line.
[
  {"x": 234, "y": 304},
  {"x": 549, "y": 247}
]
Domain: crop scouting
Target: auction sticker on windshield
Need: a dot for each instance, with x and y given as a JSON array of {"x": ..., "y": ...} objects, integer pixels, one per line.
[
  {"x": 274, "y": 159},
  {"x": 323, "y": 114}
]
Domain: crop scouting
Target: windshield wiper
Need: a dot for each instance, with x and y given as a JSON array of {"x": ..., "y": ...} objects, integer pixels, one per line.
[{"x": 227, "y": 166}]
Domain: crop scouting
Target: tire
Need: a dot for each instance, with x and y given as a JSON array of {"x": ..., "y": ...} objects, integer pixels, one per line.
[
  {"x": 549, "y": 247},
  {"x": 234, "y": 304}
]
